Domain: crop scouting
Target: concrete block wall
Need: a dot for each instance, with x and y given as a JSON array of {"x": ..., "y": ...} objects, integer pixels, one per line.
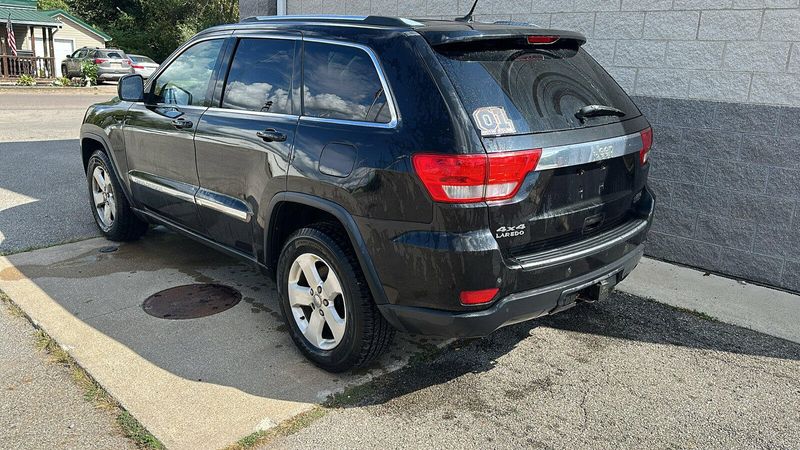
[{"x": 720, "y": 81}]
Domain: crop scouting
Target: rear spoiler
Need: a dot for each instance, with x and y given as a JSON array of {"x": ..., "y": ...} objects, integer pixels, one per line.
[{"x": 501, "y": 34}]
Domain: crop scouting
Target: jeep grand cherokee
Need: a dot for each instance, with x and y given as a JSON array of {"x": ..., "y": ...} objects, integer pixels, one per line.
[{"x": 435, "y": 177}]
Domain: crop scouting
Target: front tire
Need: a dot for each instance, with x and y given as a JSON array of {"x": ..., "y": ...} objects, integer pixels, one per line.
[
  {"x": 112, "y": 212},
  {"x": 326, "y": 302}
]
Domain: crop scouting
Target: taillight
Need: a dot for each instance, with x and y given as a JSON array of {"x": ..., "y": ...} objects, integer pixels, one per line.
[
  {"x": 127, "y": 62},
  {"x": 478, "y": 297},
  {"x": 647, "y": 142},
  {"x": 475, "y": 178},
  {"x": 100, "y": 60},
  {"x": 542, "y": 40},
  {"x": 137, "y": 67}
]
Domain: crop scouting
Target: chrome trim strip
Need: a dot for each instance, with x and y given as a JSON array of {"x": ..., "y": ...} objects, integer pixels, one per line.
[
  {"x": 156, "y": 186},
  {"x": 253, "y": 113},
  {"x": 225, "y": 204},
  {"x": 587, "y": 152},
  {"x": 384, "y": 84},
  {"x": 586, "y": 251}
]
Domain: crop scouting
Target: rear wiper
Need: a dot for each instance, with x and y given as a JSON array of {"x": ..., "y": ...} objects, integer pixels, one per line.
[{"x": 597, "y": 111}]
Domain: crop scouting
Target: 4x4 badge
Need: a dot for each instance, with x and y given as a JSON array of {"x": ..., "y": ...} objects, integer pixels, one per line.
[{"x": 513, "y": 231}]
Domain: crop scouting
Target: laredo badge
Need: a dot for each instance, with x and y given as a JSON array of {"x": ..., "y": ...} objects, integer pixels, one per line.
[
  {"x": 493, "y": 120},
  {"x": 514, "y": 231}
]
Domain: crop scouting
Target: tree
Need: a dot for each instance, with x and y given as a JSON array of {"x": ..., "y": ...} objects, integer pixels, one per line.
[
  {"x": 150, "y": 27},
  {"x": 52, "y": 4}
]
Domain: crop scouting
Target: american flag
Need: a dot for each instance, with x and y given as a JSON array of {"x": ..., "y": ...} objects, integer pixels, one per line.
[{"x": 12, "y": 43}]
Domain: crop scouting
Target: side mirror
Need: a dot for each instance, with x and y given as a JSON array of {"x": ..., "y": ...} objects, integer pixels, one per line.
[{"x": 131, "y": 88}]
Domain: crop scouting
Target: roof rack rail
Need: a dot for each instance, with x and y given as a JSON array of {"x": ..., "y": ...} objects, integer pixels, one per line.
[{"x": 362, "y": 20}]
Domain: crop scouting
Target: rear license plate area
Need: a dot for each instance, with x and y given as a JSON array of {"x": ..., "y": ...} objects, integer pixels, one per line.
[
  {"x": 598, "y": 291},
  {"x": 595, "y": 290}
]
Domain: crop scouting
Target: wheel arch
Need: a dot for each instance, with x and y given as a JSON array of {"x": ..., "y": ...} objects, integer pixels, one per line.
[
  {"x": 285, "y": 206},
  {"x": 91, "y": 142}
]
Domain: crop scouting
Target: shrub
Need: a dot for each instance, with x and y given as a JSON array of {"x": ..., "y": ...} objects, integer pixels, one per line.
[
  {"x": 26, "y": 80},
  {"x": 62, "y": 81},
  {"x": 89, "y": 71}
]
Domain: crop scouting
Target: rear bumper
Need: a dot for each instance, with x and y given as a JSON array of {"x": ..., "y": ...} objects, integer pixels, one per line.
[
  {"x": 513, "y": 308},
  {"x": 111, "y": 75}
]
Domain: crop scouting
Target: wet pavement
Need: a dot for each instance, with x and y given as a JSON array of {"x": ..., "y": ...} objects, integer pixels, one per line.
[
  {"x": 624, "y": 373},
  {"x": 192, "y": 383}
]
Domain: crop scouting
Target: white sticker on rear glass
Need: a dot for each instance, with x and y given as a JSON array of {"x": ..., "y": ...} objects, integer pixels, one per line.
[{"x": 493, "y": 120}]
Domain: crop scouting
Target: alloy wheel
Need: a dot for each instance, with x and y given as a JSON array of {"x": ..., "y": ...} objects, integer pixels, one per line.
[
  {"x": 317, "y": 301},
  {"x": 105, "y": 204}
]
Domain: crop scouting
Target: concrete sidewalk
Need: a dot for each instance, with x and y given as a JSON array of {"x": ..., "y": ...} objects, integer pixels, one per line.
[
  {"x": 200, "y": 383},
  {"x": 762, "y": 309}
]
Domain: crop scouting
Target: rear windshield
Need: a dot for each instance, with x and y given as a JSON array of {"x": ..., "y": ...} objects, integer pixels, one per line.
[
  {"x": 518, "y": 91},
  {"x": 113, "y": 54},
  {"x": 141, "y": 59}
]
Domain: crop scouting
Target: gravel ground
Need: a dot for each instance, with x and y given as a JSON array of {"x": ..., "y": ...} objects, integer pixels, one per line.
[
  {"x": 43, "y": 199},
  {"x": 41, "y": 406},
  {"x": 626, "y": 373}
]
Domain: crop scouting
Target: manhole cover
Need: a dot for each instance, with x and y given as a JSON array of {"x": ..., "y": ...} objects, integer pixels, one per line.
[{"x": 191, "y": 301}]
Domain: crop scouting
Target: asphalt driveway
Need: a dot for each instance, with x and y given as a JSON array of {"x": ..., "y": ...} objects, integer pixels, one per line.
[
  {"x": 625, "y": 373},
  {"x": 43, "y": 199}
]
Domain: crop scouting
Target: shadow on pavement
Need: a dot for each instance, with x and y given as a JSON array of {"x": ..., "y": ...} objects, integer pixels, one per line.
[
  {"x": 622, "y": 316},
  {"x": 247, "y": 347},
  {"x": 43, "y": 195}
]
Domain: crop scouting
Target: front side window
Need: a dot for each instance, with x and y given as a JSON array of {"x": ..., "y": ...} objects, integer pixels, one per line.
[
  {"x": 260, "y": 77},
  {"x": 341, "y": 82},
  {"x": 185, "y": 81}
]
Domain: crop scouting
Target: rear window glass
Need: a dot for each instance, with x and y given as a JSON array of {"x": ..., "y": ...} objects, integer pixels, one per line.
[
  {"x": 111, "y": 54},
  {"x": 518, "y": 91},
  {"x": 141, "y": 59},
  {"x": 341, "y": 82}
]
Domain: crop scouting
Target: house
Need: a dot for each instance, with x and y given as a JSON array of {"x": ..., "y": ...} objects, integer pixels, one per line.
[
  {"x": 73, "y": 34},
  {"x": 44, "y": 39}
]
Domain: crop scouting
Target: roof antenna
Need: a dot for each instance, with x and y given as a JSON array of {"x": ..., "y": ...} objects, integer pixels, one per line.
[{"x": 468, "y": 18}]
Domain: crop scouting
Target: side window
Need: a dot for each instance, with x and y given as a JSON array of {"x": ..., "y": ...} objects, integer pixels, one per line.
[
  {"x": 260, "y": 77},
  {"x": 185, "y": 81},
  {"x": 77, "y": 53},
  {"x": 341, "y": 82}
]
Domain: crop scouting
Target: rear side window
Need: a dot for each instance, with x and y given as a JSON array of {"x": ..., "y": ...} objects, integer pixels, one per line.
[
  {"x": 341, "y": 82},
  {"x": 518, "y": 91},
  {"x": 260, "y": 77}
]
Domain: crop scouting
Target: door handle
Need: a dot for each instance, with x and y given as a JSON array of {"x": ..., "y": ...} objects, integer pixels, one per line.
[
  {"x": 181, "y": 123},
  {"x": 271, "y": 135}
]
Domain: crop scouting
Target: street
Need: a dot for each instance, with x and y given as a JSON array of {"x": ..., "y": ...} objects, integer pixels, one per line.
[{"x": 624, "y": 373}]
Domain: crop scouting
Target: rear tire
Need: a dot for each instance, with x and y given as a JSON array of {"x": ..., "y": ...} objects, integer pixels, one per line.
[
  {"x": 111, "y": 210},
  {"x": 334, "y": 298}
]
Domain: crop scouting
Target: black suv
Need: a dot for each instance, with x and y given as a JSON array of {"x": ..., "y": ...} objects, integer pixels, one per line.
[{"x": 436, "y": 177}]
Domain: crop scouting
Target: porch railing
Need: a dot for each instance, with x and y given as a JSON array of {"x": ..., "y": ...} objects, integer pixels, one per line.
[{"x": 35, "y": 66}]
